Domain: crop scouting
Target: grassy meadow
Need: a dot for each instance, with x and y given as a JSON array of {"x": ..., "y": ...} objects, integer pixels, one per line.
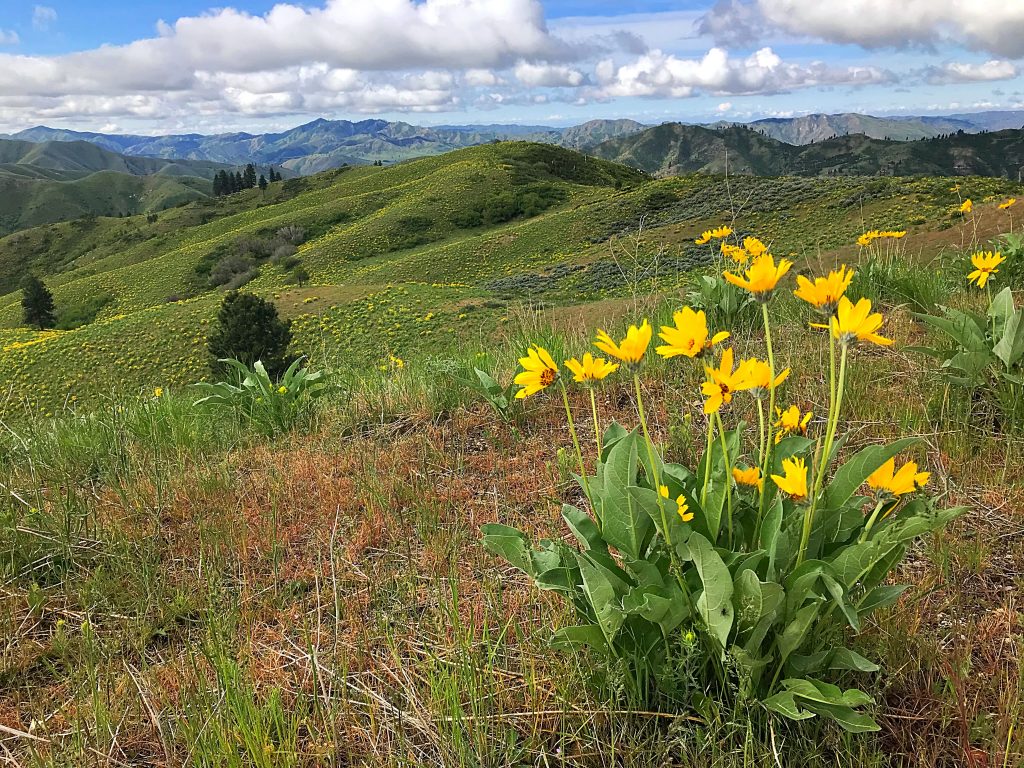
[{"x": 179, "y": 589}]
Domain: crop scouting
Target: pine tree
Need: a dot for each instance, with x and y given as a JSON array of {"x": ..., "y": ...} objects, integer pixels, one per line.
[
  {"x": 249, "y": 329},
  {"x": 218, "y": 184},
  {"x": 37, "y": 303},
  {"x": 249, "y": 177},
  {"x": 263, "y": 183},
  {"x": 239, "y": 183}
]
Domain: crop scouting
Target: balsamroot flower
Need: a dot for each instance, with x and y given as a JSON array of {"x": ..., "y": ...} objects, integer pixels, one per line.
[
  {"x": 539, "y": 373},
  {"x": 690, "y": 336},
  {"x": 986, "y": 264},
  {"x": 825, "y": 292},
  {"x": 590, "y": 369},
  {"x": 794, "y": 482},
  {"x": 705, "y": 237},
  {"x": 722, "y": 382},
  {"x": 754, "y": 247},
  {"x": 720, "y": 233},
  {"x": 856, "y": 322},
  {"x": 757, "y": 377},
  {"x": 886, "y": 480},
  {"x": 791, "y": 422},
  {"x": 967, "y": 206},
  {"x": 681, "y": 506},
  {"x": 750, "y": 477},
  {"x": 1008, "y": 204},
  {"x": 762, "y": 276},
  {"x": 631, "y": 349},
  {"x": 734, "y": 252}
]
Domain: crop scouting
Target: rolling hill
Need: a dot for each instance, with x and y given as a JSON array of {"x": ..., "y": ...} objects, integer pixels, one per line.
[
  {"x": 52, "y": 181},
  {"x": 399, "y": 259},
  {"x": 675, "y": 148}
]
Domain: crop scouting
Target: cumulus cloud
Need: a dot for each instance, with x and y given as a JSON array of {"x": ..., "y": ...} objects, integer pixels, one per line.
[
  {"x": 548, "y": 75},
  {"x": 43, "y": 17},
  {"x": 657, "y": 74},
  {"x": 996, "y": 26},
  {"x": 956, "y": 72}
]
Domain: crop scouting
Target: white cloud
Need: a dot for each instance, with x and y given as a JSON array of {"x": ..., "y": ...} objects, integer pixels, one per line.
[
  {"x": 657, "y": 74},
  {"x": 989, "y": 71},
  {"x": 477, "y": 78},
  {"x": 725, "y": 106},
  {"x": 996, "y": 26},
  {"x": 548, "y": 75},
  {"x": 43, "y": 17},
  {"x": 9, "y": 37}
]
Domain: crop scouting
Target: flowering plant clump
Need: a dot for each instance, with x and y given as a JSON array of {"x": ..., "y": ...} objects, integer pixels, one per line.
[
  {"x": 273, "y": 408},
  {"x": 730, "y": 579},
  {"x": 986, "y": 351}
]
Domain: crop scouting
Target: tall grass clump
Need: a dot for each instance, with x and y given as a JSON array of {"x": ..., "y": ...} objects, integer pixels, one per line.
[{"x": 730, "y": 584}]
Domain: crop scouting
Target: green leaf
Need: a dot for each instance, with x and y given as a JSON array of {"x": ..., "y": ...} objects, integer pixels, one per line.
[
  {"x": 602, "y": 592},
  {"x": 664, "y": 607},
  {"x": 795, "y": 633},
  {"x": 506, "y": 542},
  {"x": 715, "y": 602},
  {"x": 574, "y": 638},
  {"x": 625, "y": 525},
  {"x": 784, "y": 703},
  {"x": 770, "y": 528},
  {"x": 855, "y": 472},
  {"x": 583, "y": 528},
  {"x": 1010, "y": 347},
  {"x": 880, "y": 597},
  {"x": 844, "y": 658}
]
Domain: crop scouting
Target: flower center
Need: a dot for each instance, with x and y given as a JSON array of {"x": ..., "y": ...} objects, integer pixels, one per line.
[{"x": 547, "y": 377}]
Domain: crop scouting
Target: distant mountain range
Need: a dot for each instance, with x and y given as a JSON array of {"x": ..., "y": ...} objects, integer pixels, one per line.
[
  {"x": 324, "y": 144},
  {"x": 675, "y": 148}
]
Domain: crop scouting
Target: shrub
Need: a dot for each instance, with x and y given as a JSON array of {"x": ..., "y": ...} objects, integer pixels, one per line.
[
  {"x": 730, "y": 581},
  {"x": 83, "y": 312},
  {"x": 248, "y": 329},
  {"x": 228, "y": 268}
]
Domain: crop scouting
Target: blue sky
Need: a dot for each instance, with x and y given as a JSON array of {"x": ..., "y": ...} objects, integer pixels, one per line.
[{"x": 193, "y": 65}]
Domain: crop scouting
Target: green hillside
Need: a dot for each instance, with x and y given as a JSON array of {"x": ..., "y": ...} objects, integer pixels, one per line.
[
  {"x": 675, "y": 148},
  {"x": 439, "y": 247}
]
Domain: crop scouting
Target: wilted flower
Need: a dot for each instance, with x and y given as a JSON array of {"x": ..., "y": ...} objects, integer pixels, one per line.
[{"x": 791, "y": 422}]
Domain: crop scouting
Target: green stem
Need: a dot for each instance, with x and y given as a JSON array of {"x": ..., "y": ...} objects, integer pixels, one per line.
[
  {"x": 761, "y": 434},
  {"x": 707, "y": 465},
  {"x": 871, "y": 522},
  {"x": 575, "y": 439},
  {"x": 728, "y": 473},
  {"x": 597, "y": 425},
  {"x": 835, "y": 407},
  {"x": 654, "y": 465},
  {"x": 766, "y": 458}
]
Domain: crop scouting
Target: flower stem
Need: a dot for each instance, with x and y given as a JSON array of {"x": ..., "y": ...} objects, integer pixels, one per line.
[
  {"x": 871, "y": 522},
  {"x": 575, "y": 440},
  {"x": 761, "y": 434},
  {"x": 654, "y": 465},
  {"x": 707, "y": 465},
  {"x": 766, "y": 458},
  {"x": 835, "y": 407},
  {"x": 728, "y": 473},
  {"x": 597, "y": 425}
]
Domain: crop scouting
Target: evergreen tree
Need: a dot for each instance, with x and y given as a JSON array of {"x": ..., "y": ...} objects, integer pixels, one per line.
[
  {"x": 218, "y": 184},
  {"x": 37, "y": 303},
  {"x": 274, "y": 175},
  {"x": 239, "y": 183},
  {"x": 249, "y": 177},
  {"x": 249, "y": 329},
  {"x": 263, "y": 183}
]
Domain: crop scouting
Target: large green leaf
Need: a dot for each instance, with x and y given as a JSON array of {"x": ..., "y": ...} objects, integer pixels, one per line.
[
  {"x": 603, "y": 591},
  {"x": 1010, "y": 347},
  {"x": 715, "y": 602},
  {"x": 855, "y": 472},
  {"x": 583, "y": 528},
  {"x": 510, "y": 544},
  {"x": 625, "y": 525},
  {"x": 796, "y": 631}
]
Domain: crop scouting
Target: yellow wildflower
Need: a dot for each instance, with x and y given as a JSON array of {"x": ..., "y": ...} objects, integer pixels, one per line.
[
  {"x": 757, "y": 377},
  {"x": 750, "y": 477},
  {"x": 794, "y": 481},
  {"x": 705, "y": 238},
  {"x": 762, "y": 276},
  {"x": 720, "y": 233},
  {"x": 735, "y": 253},
  {"x": 158, "y": 392},
  {"x": 886, "y": 480},
  {"x": 631, "y": 349},
  {"x": 986, "y": 264},
  {"x": 681, "y": 506},
  {"x": 855, "y": 322},
  {"x": 689, "y": 336},
  {"x": 967, "y": 206},
  {"x": 722, "y": 383},
  {"x": 824, "y": 293},
  {"x": 754, "y": 247},
  {"x": 791, "y": 422},
  {"x": 540, "y": 372},
  {"x": 1008, "y": 204},
  {"x": 590, "y": 369}
]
